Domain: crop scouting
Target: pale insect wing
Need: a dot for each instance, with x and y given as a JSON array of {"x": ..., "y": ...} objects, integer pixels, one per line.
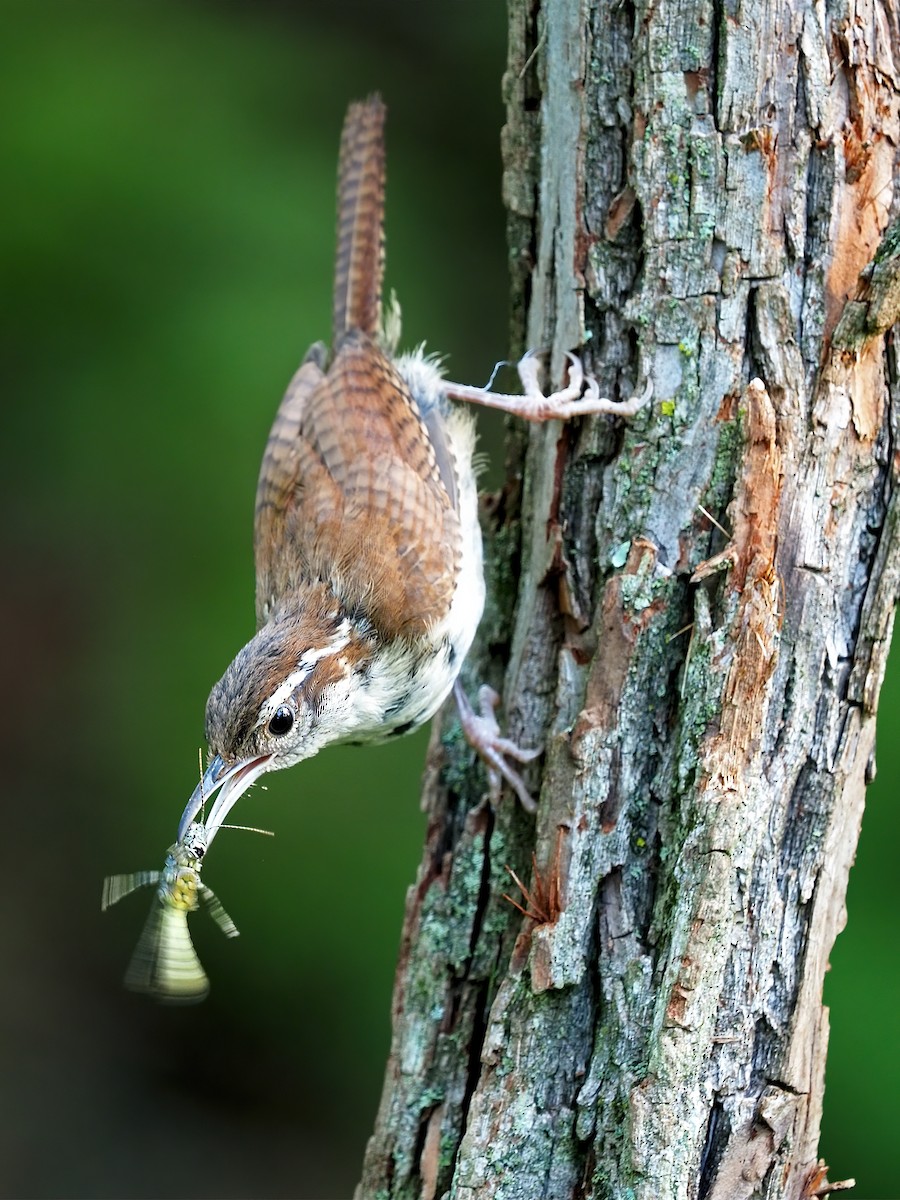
[
  {"x": 217, "y": 912},
  {"x": 115, "y": 887},
  {"x": 165, "y": 964}
]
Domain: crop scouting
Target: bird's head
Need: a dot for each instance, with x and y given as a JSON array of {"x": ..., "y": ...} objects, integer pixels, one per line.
[{"x": 288, "y": 693}]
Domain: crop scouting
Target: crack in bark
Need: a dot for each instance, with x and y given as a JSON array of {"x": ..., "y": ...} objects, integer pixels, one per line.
[
  {"x": 473, "y": 1071},
  {"x": 716, "y": 1140}
]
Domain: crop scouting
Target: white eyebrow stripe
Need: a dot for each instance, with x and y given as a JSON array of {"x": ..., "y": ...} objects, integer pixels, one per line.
[{"x": 305, "y": 664}]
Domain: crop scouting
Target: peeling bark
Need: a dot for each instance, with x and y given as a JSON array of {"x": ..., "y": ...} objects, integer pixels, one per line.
[{"x": 703, "y": 603}]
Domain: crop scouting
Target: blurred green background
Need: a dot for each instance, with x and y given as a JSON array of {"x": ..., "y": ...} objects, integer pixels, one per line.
[{"x": 166, "y": 250}]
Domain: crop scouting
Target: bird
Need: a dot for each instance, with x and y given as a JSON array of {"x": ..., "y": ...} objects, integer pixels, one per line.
[{"x": 368, "y": 553}]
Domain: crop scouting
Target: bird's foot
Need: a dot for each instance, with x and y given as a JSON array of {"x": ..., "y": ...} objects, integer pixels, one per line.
[
  {"x": 483, "y": 734},
  {"x": 579, "y": 398}
]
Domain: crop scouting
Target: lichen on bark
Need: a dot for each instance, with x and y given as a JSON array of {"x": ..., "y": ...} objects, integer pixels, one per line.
[{"x": 698, "y": 195}]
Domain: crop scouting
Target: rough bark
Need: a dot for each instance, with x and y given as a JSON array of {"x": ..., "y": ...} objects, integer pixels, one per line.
[{"x": 699, "y": 194}]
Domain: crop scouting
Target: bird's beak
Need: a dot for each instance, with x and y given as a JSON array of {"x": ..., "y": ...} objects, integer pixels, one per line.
[{"x": 230, "y": 783}]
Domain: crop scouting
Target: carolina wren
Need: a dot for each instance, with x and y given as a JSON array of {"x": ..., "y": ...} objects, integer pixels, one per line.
[{"x": 369, "y": 584}]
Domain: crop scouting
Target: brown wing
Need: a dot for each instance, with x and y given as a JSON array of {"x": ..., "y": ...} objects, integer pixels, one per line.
[
  {"x": 365, "y": 510},
  {"x": 277, "y": 482},
  {"x": 350, "y": 493}
]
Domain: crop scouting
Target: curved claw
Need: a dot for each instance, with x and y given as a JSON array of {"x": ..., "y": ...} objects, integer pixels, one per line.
[
  {"x": 576, "y": 372},
  {"x": 527, "y": 370},
  {"x": 591, "y": 389}
]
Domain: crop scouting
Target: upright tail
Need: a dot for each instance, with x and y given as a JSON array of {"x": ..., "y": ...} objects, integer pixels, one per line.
[{"x": 360, "y": 228}]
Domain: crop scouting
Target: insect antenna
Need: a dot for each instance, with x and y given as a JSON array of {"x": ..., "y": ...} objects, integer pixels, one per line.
[{"x": 249, "y": 829}]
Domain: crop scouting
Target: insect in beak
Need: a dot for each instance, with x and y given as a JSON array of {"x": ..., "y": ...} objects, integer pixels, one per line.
[{"x": 230, "y": 783}]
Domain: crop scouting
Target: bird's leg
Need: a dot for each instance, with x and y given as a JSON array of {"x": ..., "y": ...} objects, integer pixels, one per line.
[
  {"x": 579, "y": 398},
  {"x": 483, "y": 734}
]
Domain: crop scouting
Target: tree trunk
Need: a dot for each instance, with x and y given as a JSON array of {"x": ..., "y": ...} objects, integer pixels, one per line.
[{"x": 698, "y": 195}]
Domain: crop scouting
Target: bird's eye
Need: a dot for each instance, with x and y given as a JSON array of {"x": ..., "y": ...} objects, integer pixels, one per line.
[{"x": 281, "y": 722}]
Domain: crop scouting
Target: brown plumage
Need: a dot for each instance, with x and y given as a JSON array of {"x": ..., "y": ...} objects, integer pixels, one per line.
[
  {"x": 369, "y": 577},
  {"x": 367, "y": 591},
  {"x": 350, "y": 491},
  {"x": 360, "y": 226}
]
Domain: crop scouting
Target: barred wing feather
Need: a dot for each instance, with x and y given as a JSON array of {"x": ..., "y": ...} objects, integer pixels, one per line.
[
  {"x": 115, "y": 887},
  {"x": 217, "y": 912}
]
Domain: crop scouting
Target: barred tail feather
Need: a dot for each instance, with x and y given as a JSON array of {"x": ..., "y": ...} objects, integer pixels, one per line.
[{"x": 360, "y": 231}]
